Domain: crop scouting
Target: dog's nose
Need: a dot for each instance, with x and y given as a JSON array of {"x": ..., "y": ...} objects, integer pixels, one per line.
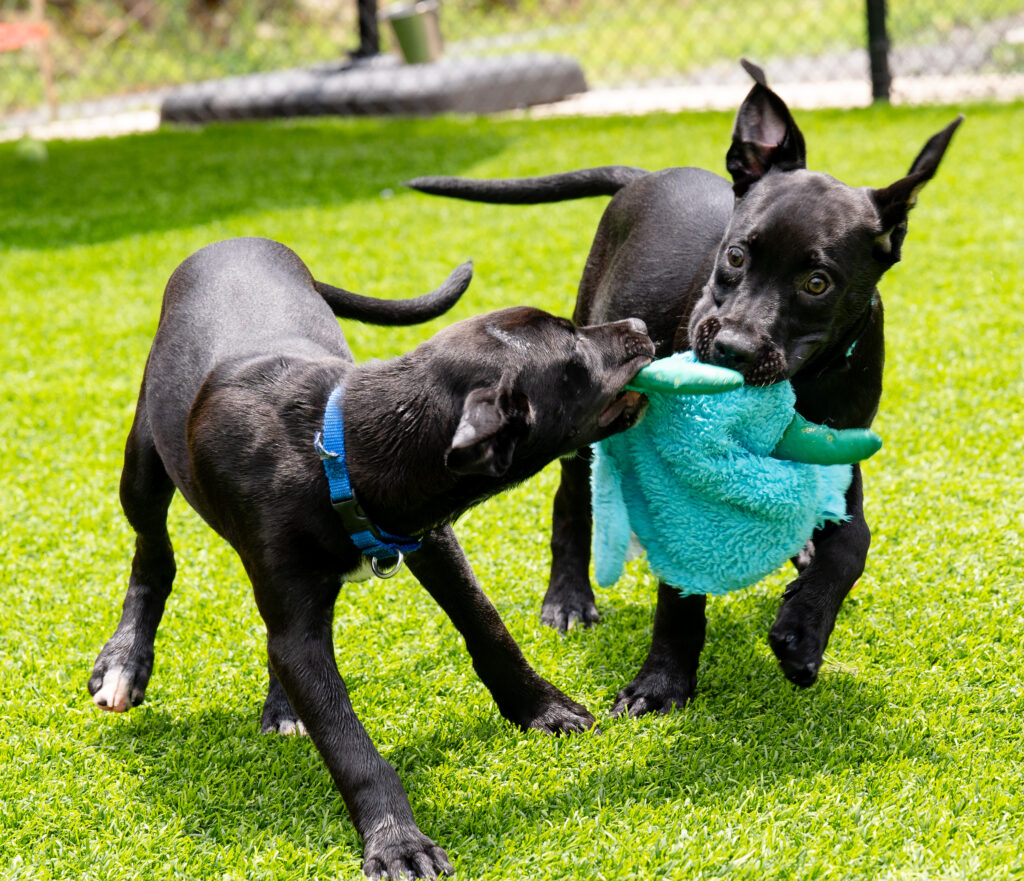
[
  {"x": 734, "y": 349},
  {"x": 635, "y": 325}
]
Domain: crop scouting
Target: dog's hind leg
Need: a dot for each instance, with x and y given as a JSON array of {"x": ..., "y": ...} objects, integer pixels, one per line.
[
  {"x": 811, "y": 602},
  {"x": 122, "y": 670},
  {"x": 668, "y": 677},
  {"x": 570, "y": 598},
  {"x": 278, "y": 717}
]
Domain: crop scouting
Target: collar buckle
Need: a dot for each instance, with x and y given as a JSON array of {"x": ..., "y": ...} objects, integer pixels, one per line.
[
  {"x": 318, "y": 444},
  {"x": 353, "y": 517}
]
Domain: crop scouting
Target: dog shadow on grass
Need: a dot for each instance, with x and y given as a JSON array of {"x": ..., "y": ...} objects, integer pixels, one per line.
[
  {"x": 211, "y": 771},
  {"x": 212, "y": 776},
  {"x": 748, "y": 729}
]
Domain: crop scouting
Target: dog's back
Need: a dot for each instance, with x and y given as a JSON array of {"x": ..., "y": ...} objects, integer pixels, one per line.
[
  {"x": 657, "y": 235},
  {"x": 250, "y": 305},
  {"x": 226, "y": 305}
]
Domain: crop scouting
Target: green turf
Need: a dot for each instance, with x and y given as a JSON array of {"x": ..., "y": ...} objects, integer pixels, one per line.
[{"x": 903, "y": 762}]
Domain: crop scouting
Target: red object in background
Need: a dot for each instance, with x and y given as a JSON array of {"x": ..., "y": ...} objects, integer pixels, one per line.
[{"x": 15, "y": 35}]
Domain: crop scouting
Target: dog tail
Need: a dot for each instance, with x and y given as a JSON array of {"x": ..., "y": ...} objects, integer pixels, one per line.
[
  {"x": 413, "y": 310},
  {"x": 605, "y": 180}
]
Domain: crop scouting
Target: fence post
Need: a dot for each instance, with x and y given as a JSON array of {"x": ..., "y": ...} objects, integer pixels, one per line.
[
  {"x": 369, "y": 35},
  {"x": 878, "y": 51}
]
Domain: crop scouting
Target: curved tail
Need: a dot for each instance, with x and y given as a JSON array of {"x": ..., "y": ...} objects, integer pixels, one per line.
[
  {"x": 413, "y": 310},
  {"x": 606, "y": 180}
]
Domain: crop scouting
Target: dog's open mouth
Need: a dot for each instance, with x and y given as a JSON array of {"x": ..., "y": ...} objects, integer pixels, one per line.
[{"x": 628, "y": 404}]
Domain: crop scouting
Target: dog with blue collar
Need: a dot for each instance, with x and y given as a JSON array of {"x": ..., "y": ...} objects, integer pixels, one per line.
[{"x": 318, "y": 470}]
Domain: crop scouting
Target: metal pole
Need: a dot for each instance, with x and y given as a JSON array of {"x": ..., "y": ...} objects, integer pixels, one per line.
[
  {"x": 878, "y": 51},
  {"x": 369, "y": 35}
]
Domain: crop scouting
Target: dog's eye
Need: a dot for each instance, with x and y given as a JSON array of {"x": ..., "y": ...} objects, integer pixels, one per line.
[
  {"x": 817, "y": 284},
  {"x": 735, "y": 256}
]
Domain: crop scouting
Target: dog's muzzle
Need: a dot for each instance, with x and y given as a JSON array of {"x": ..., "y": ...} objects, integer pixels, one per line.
[{"x": 759, "y": 360}]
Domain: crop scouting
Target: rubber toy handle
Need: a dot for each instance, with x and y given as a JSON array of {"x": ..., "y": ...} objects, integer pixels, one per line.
[
  {"x": 815, "y": 444},
  {"x": 802, "y": 441},
  {"x": 672, "y": 376}
]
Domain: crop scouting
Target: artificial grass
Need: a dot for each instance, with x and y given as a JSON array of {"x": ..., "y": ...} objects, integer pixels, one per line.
[{"x": 902, "y": 762}]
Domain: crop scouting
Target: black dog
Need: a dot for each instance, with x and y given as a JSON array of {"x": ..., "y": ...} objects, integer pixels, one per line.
[
  {"x": 774, "y": 276},
  {"x": 245, "y": 367}
]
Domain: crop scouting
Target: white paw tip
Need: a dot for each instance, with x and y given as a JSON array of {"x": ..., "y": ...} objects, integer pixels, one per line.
[
  {"x": 114, "y": 694},
  {"x": 292, "y": 727}
]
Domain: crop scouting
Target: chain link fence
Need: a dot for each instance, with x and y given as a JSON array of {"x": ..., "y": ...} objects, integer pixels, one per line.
[{"x": 68, "y": 58}]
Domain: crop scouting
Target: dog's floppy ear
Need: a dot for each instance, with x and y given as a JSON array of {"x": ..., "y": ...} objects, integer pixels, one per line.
[
  {"x": 493, "y": 422},
  {"x": 763, "y": 137},
  {"x": 894, "y": 202}
]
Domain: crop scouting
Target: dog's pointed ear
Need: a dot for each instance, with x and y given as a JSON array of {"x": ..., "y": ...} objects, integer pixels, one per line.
[
  {"x": 895, "y": 201},
  {"x": 493, "y": 421},
  {"x": 763, "y": 137}
]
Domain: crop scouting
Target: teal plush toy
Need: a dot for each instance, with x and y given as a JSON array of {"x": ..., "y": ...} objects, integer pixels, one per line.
[{"x": 720, "y": 483}]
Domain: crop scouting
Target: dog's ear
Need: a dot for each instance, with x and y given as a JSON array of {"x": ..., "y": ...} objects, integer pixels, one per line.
[
  {"x": 763, "y": 137},
  {"x": 894, "y": 202},
  {"x": 493, "y": 422}
]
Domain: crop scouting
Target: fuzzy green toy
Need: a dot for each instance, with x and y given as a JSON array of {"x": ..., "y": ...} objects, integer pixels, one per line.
[{"x": 720, "y": 483}]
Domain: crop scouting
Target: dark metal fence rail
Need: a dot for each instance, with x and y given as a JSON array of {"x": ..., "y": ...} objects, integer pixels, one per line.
[{"x": 79, "y": 57}]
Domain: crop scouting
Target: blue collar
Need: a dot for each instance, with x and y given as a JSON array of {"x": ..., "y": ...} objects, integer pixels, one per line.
[{"x": 373, "y": 541}]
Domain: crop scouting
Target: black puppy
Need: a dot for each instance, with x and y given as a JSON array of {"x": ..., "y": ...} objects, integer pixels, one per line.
[
  {"x": 250, "y": 384},
  {"x": 774, "y": 276}
]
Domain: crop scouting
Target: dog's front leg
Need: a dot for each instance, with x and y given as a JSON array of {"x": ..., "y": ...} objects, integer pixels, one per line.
[
  {"x": 668, "y": 677},
  {"x": 811, "y": 602},
  {"x": 122, "y": 670},
  {"x": 522, "y": 696},
  {"x": 298, "y": 614},
  {"x": 570, "y": 598}
]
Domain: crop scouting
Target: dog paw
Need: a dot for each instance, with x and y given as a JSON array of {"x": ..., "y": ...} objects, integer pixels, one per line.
[
  {"x": 564, "y": 717},
  {"x": 287, "y": 725},
  {"x": 278, "y": 717},
  {"x": 653, "y": 693},
  {"x": 799, "y": 661},
  {"x": 569, "y": 608},
  {"x": 547, "y": 709},
  {"x": 798, "y": 647},
  {"x": 404, "y": 853},
  {"x": 119, "y": 685}
]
